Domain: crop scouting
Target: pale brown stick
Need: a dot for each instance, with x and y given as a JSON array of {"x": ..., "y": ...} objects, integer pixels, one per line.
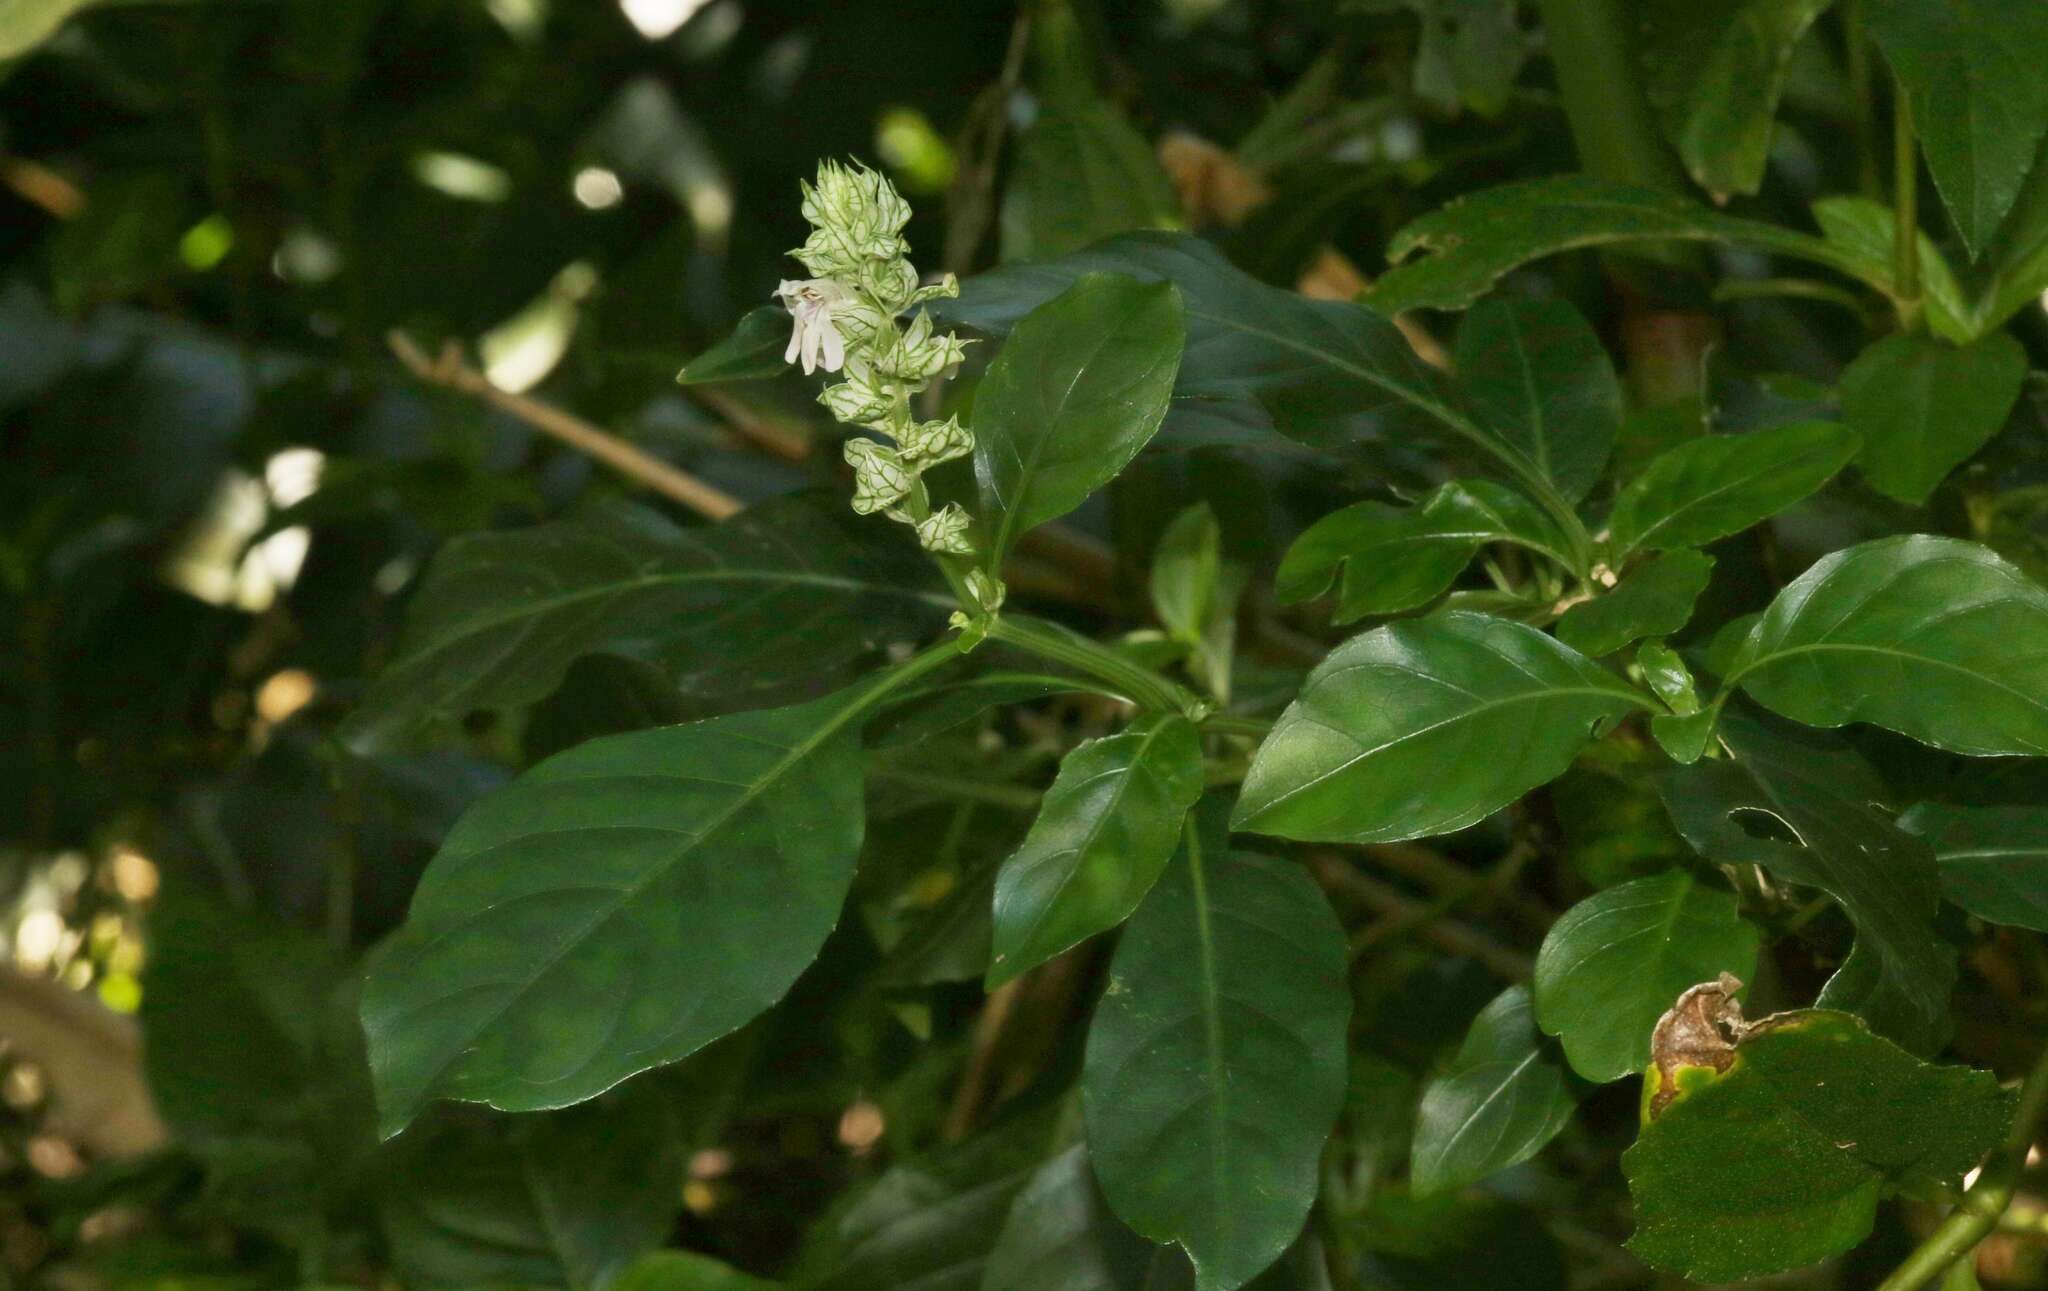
[{"x": 452, "y": 372}]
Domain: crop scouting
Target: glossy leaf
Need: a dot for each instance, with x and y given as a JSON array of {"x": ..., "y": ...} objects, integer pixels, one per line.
[
  {"x": 1720, "y": 485},
  {"x": 619, "y": 906},
  {"x": 1993, "y": 860},
  {"x": 1388, "y": 559},
  {"x": 1801, "y": 806},
  {"x": 1972, "y": 69},
  {"x": 1655, "y": 600},
  {"x": 1534, "y": 373},
  {"x": 1715, "y": 74},
  {"x": 1061, "y": 1236},
  {"x": 1321, "y": 371},
  {"x": 753, "y": 352},
  {"x": 1215, "y": 1065},
  {"x": 749, "y": 612},
  {"x": 1425, "y": 727},
  {"x": 1081, "y": 385},
  {"x": 1923, "y": 408},
  {"x": 1934, "y": 638},
  {"x": 565, "y": 1199},
  {"x": 1108, "y": 826},
  {"x": 1779, "y": 1162},
  {"x": 1502, "y": 1098},
  {"x": 1473, "y": 241},
  {"x": 1613, "y": 963}
]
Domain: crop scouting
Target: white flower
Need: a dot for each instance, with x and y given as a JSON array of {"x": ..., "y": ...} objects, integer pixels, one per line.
[{"x": 811, "y": 302}]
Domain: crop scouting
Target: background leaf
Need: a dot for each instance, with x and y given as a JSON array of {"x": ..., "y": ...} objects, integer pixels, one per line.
[
  {"x": 1083, "y": 173},
  {"x": 1715, "y": 74},
  {"x": 1388, "y": 559},
  {"x": 1061, "y": 1236},
  {"x": 1215, "y": 1063},
  {"x": 1614, "y": 962},
  {"x": 1655, "y": 600},
  {"x": 1426, "y": 727},
  {"x": 1923, "y": 407},
  {"x": 1972, "y": 70},
  {"x": 740, "y": 614},
  {"x": 565, "y": 1199},
  {"x": 1108, "y": 826},
  {"x": 684, "y": 1271},
  {"x": 1474, "y": 240},
  {"x": 1779, "y": 1162},
  {"x": 1712, "y": 487},
  {"x": 1319, "y": 370},
  {"x": 1533, "y": 372},
  {"x": 1079, "y": 387},
  {"x": 752, "y": 352},
  {"x": 1993, "y": 860},
  {"x": 1499, "y": 1102},
  {"x": 1935, "y": 638},
  {"x": 1801, "y": 806}
]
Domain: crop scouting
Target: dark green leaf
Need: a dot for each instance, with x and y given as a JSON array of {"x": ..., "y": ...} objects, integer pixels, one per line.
[
  {"x": 1533, "y": 372},
  {"x": 684, "y": 1271},
  {"x": 619, "y": 906},
  {"x": 1215, "y": 1064},
  {"x": 1503, "y": 1097},
  {"x": 1080, "y": 386},
  {"x": 1972, "y": 69},
  {"x": 1923, "y": 407},
  {"x": 1107, "y": 828},
  {"x": 1475, "y": 240},
  {"x": 1319, "y": 369},
  {"x": 1779, "y": 1162},
  {"x": 1060, "y": 1236},
  {"x": 1470, "y": 54},
  {"x": 1426, "y": 727},
  {"x": 753, "y": 352},
  {"x": 1394, "y": 558},
  {"x": 1723, "y": 484},
  {"x": 1082, "y": 174},
  {"x": 1801, "y": 806},
  {"x": 1715, "y": 74},
  {"x": 1934, "y": 638},
  {"x": 1615, "y": 961},
  {"x": 1993, "y": 860},
  {"x": 1655, "y": 600},
  {"x": 751, "y": 611},
  {"x": 565, "y": 1199}
]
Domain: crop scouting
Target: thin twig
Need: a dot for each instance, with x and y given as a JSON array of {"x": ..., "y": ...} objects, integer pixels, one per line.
[
  {"x": 452, "y": 372},
  {"x": 1460, "y": 939}
]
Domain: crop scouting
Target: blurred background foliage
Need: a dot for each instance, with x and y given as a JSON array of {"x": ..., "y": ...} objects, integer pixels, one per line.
[{"x": 218, "y": 485}]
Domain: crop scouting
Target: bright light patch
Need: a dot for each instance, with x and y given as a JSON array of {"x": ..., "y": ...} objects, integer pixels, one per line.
[
  {"x": 305, "y": 256},
  {"x": 465, "y": 177},
  {"x": 658, "y": 19},
  {"x": 521, "y": 19},
  {"x": 206, "y": 243},
  {"x": 293, "y": 474},
  {"x": 519, "y": 353},
  {"x": 921, "y": 158},
  {"x": 597, "y": 188}
]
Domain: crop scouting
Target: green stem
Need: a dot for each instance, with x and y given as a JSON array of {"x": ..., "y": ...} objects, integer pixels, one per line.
[
  {"x": 1793, "y": 288},
  {"x": 1906, "y": 212},
  {"x": 1011, "y": 797},
  {"x": 1616, "y": 136},
  {"x": 1140, "y": 685},
  {"x": 1862, "y": 101},
  {"x": 1981, "y": 1207},
  {"x": 1225, "y": 724}
]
